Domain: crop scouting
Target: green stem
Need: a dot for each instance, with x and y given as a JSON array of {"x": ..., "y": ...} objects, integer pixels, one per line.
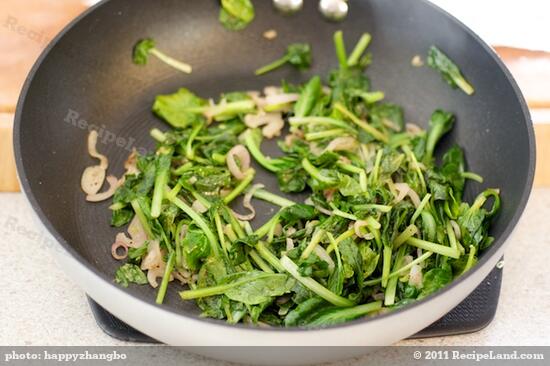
[
  {"x": 161, "y": 180},
  {"x": 217, "y": 290},
  {"x": 165, "y": 278},
  {"x": 389, "y": 294},
  {"x": 337, "y": 132},
  {"x": 346, "y": 313},
  {"x": 473, "y": 176},
  {"x": 360, "y": 47},
  {"x": 136, "y": 205},
  {"x": 197, "y": 218},
  {"x": 313, "y": 285},
  {"x": 189, "y": 152},
  {"x": 313, "y": 120},
  {"x": 254, "y": 149},
  {"x": 315, "y": 173},
  {"x": 272, "y": 66},
  {"x": 272, "y": 198},
  {"x": 259, "y": 261},
  {"x": 181, "y": 66},
  {"x": 340, "y": 47},
  {"x": 219, "y": 229},
  {"x": 315, "y": 239},
  {"x": 158, "y": 135},
  {"x": 405, "y": 235},
  {"x": 362, "y": 124},
  {"x": 249, "y": 177},
  {"x": 269, "y": 257},
  {"x": 264, "y": 229},
  {"x": 387, "y": 252},
  {"x": 420, "y": 207},
  {"x": 372, "y": 206},
  {"x": 372, "y": 97},
  {"x": 433, "y": 247}
]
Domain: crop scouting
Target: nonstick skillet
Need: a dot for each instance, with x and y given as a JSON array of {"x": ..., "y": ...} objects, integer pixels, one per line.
[{"x": 85, "y": 79}]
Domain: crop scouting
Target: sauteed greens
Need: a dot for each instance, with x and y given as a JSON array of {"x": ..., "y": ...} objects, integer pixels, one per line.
[{"x": 384, "y": 224}]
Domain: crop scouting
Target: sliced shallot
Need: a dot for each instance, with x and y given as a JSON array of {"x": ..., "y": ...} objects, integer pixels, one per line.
[
  {"x": 114, "y": 183},
  {"x": 357, "y": 228},
  {"x": 241, "y": 153},
  {"x": 92, "y": 179},
  {"x": 92, "y": 150}
]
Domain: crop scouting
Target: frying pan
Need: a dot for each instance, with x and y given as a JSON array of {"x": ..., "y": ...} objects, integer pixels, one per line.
[{"x": 85, "y": 79}]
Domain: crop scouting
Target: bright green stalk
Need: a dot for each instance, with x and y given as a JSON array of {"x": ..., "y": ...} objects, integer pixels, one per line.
[
  {"x": 272, "y": 198},
  {"x": 142, "y": 218},
  {"x": 225, "y": 109},
  {"x": 428, "y": 224},
  {"x": 470, "y": 261},
  {"x": 249, "y": 177},
  {"x": 341, "y": 213},
  {"x": 219, "y": 229},
  {"x": 264, "y": 229},
  {"x": 181, "y": 66},
  {"x": 416, "y": 167},
  {"x": 420, "y": 207},
  {"x": 189, "y": 152},
  {"x": 433, "y": 247},
  {"x": 269, "y": 257},
  {"x": 315, "y": 239},
  {"x": 364, "y": 125},
  {"x": 235, "y": 224},
  {"x": 345, "y": 235},
  {"x": 271, "y": 232},
  {"x": 313, "y": 285},
  {"x": 158, "y": 135},
  {"x": 337, "y": 132},
  {"x": 405, "y": 235},
  {"x": 314, "y": 172},
  {"x": 254, "y": 149},
  {"x": 346, "y": 313},
  {"x": 165, "y": 278},
  {"x": 259, "y": 261},
  {"x": 340, "y": 49},
  {"x": 197, "y": 218},
  {"x": 451, "y": 235},
  {"x": 377, "y": 161},
  {"x": 217, "y": 290},
  {"x": 372, "y": 97},
  {"x": 389, "y": 294},
  {"x": 472, "y": 176},
  {"x": 401, "y": 270},
  {"x": 272, "y": 66},
  {"x": 359, "y": 49},
  {"x": 161, "y": 180},
  {"x": 314, "y": 120},
  {"x": 372, "y": 206},
  {"x": 386, "y": 264}
]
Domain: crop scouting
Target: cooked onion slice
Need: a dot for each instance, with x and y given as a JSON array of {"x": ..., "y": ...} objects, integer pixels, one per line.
[
  {"x": 92, "y": 150},
  {"x": 154, "y": 256},
  {"x": 199, "y": 207},
  {"x": 415, "y": 276},
  {"x": 137, "y": 232},
  {"x": 92, "y": 179},
  {"x": 241, "y": 153},
  {"x": 405, "y": 190},
  {"x": 357, "y": 228},
  {"x": 114, "y": 183},
  {"x": 117, "y": 245},
  {"x": 131, "y": 164}
]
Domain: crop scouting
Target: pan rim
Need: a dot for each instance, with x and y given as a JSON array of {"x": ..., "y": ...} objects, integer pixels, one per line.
[{"x": 488, "y": 254}]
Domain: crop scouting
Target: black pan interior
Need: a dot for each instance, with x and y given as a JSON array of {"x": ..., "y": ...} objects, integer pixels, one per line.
[{"x": 89, "y": 72}]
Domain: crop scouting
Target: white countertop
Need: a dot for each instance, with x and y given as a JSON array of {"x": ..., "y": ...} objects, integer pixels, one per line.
[{"x": 39, "y": 305}]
